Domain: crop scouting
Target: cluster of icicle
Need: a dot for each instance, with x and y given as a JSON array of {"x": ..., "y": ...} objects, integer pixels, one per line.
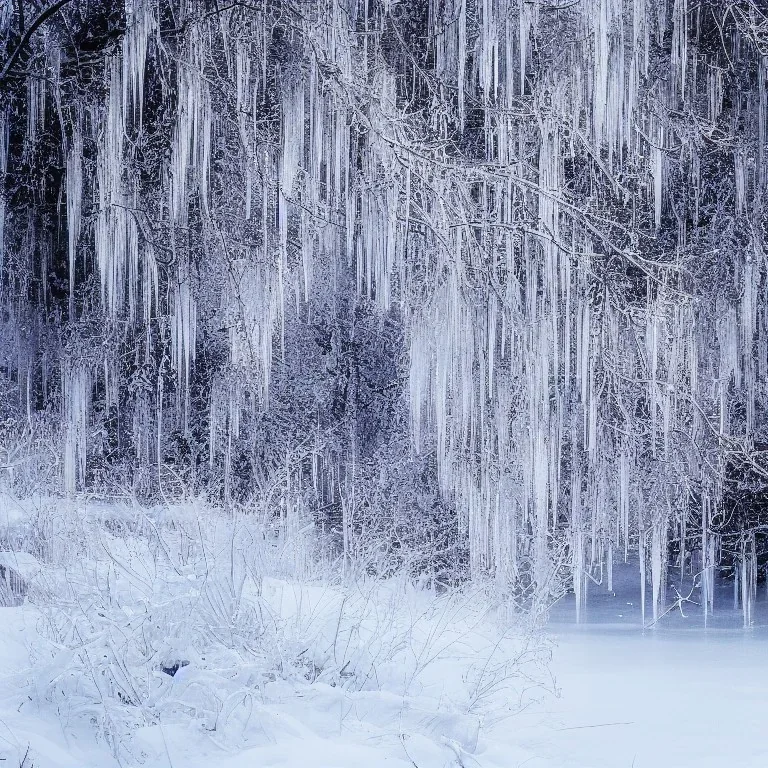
[{"x": 526, "y": 379}]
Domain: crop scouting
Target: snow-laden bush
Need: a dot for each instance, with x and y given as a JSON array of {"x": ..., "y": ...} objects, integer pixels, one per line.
[
  {"x": 189, "y": 617},
  {"x": 129, "y": 597}
]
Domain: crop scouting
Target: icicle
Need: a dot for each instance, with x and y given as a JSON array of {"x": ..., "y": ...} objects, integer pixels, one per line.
[
  {"x": 191, "y": 148},
  {"x": 602, "y": 61},
  {"x": 657, "y": 170},
  {"x": 762, "y": 121},
  {"x": 624, "y": 499},
  {"x": 642, "y": 555},
  {"x": 293, "y": 138},
  {"x": 747, "y": 577},
  {"x": 76, "y": 396},
  {"x": 111, "y": 239},
  {"x": 609, "y": 565},
  {"x": 74, "y": 173},
  {"x": 4, "y": 128},
  {"x": 579, "y": 575},
  {"x": 741, "y": 185},
  {"x": 658, "y": 564},
  {"x": 683, "y": 546},
  {"x": 184, "y": 326},
  {"x": 36, "y": 98},
  {"x": 525, "y": 25},
  {"x": 679, "y": 53},
  {"x": 140, "y": 24},
  {"x": 707, "y": 551},
  {"x": 461, "y": 59}
]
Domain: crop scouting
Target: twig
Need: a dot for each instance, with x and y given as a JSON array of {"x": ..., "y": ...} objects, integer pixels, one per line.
[
  {"x": 44, "y": 15},
  {"x": 677, "y": 604},
  {"x": 408, "y": 754},
  {"x": 596, "y": 725}
]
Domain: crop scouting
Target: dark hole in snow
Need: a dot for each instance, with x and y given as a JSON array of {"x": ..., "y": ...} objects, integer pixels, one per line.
[{"x": 172, "y": 669}]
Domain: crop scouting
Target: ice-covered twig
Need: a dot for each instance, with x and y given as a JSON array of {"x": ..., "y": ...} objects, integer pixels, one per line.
[{"x": 677, "y": 603}]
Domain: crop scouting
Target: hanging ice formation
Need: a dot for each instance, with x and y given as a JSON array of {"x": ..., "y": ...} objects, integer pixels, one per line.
[{"x": 524, "y": 185}]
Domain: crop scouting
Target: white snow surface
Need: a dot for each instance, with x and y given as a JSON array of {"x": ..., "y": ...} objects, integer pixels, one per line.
[
  {"x": 387, "y": 677},
  {"x": 663, "y": 700}
]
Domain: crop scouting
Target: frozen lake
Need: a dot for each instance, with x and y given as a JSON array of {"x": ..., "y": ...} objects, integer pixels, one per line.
[{"x": 676, "y": 696}]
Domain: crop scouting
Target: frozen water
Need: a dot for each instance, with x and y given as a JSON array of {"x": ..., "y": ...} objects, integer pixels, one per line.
[
  {"x": 665, "y": 699},
  {"x": 689, "y": 693}
]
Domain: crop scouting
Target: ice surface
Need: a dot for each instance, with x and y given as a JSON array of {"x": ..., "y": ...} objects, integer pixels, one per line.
[{"x": 669, "y": 699}]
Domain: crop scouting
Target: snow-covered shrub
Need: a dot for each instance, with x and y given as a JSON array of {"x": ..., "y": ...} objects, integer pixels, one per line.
[
  {"x": 17, "y": 569},
  {"x": 189, "y": 616},
  {"x": 29, "y": 449},
  {"x": 145, "y": 600},
  {"x": 406, "y": 639},
  {"x": 398, "y": 523}
]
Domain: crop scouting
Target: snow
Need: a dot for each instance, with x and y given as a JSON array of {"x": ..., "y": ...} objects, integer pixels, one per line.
[
  {"x": 23, "y": 563},
  {"x": 662, "y": 700},
  {"x": 163, "y": 636},
  {"x": 389, "y": 675}
]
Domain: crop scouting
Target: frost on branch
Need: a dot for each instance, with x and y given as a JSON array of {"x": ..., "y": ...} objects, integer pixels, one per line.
[{"x": 525, "y": 240}]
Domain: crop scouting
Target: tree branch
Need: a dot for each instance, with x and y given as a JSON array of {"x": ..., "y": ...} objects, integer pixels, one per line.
[{"x": 27, "y": 35}]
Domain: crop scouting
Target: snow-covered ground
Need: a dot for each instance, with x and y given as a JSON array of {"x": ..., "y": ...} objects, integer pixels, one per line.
[
  {"x": 379, "y": 676},
  {"x": 670, "y": 700}
]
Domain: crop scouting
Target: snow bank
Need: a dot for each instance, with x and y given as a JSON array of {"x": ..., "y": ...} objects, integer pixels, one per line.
[{"x": 165, "y": 637}]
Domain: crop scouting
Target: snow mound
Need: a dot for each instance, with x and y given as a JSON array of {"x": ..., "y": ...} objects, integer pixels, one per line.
[{"x": 168, "y": 636}]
